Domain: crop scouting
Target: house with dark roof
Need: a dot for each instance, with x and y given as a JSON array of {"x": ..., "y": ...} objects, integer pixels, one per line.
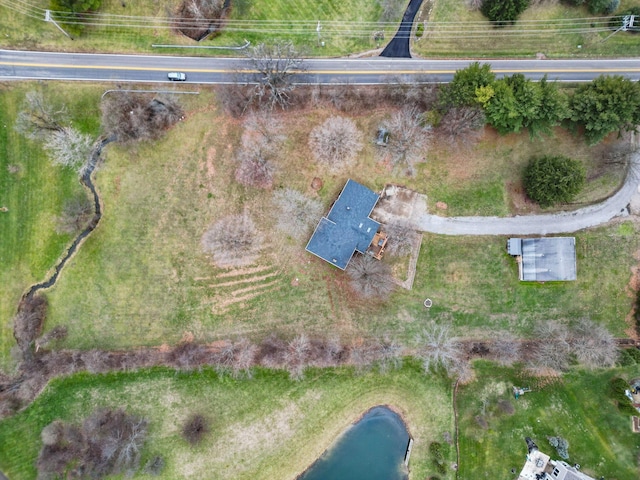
[
  {"x": 544, "y": 259},
  {"x": 347, "y": 228}
]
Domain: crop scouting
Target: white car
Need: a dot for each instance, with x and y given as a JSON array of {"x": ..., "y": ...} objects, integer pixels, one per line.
[{"x": 176, "y": 76}]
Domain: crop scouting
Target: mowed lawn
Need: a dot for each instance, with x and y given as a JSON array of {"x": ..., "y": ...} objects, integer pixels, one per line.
[
  {"x": 33, "y": 191},
  {"x": 142, "y": 279},
  {"x": 267, "y": 427},
  {"x": 134, "y": 26},
  {"x": 493, "y": 425},
  {"x": 546, "y": 23}
]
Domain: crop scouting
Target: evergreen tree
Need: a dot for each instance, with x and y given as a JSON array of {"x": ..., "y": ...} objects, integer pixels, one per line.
[{"x": 608, "y": 104}]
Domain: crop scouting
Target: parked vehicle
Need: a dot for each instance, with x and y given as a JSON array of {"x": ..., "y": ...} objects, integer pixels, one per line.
[{"x": 176, "y": 76}]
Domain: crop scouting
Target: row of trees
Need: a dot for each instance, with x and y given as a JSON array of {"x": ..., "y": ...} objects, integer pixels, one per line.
[
  {"x": 605, "y": 105},
  {"x": 506, "y": 12},
  {"x": 553, "y": 346}
]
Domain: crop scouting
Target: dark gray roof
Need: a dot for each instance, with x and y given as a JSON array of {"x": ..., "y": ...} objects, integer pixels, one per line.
[
  {"x": 347, "y": 228},
  {"x": 548, "y": 259}
]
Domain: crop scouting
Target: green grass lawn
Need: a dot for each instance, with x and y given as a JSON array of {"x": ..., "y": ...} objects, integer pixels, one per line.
[
  {"x": 485, "y": 41},
  {"x": 346, "y": 27},
  {"x": 264, "y": 428},
  {"x": 125, "y": 34},
  {"x": 574, "y": 406},
  {"x": 33, "y": 191}
]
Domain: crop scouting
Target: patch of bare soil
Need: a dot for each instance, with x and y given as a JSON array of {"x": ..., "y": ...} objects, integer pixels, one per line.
[
  {"x": 241, "y": 285},
  {"x": 632, "y": 291}
]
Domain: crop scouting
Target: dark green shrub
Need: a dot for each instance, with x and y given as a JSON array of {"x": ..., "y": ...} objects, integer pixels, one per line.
[
  {"x": 617, "y": 387},
  {"x": 503, "y": 12},
  {"x": 628, "y": 357},
  {"x": 77, "y": 9},
  {"x": 420, "y": 30},
  {"x": 550, "y": 180},
  {"x": 603, "y": 7}
]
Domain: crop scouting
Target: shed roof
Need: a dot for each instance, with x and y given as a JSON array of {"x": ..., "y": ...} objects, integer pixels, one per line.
[
  {"x": 548, "y": 259},
  {"x": 347, "y": 227}
]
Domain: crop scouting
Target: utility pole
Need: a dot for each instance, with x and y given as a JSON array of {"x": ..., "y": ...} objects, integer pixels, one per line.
[
  {"x": 318, "y": 28},
  {"x": 49, "y": 18},
  {"x": 627, "y": 23}
]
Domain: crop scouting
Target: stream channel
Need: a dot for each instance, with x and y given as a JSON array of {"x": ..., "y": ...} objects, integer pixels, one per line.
[{"x": 371, "y": 449}]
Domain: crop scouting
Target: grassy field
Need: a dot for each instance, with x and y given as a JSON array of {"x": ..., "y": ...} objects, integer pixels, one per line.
[
  {"x": 346, "y": 27},
  {"x": 120, "y": 35},
  {"x": 493, "y": 425},
  {"x": 142, "y": 279},
  {"x": 33, "y": 191},
  {"x": 264, "y": 428},
  {"x": 486, "y": 41}
]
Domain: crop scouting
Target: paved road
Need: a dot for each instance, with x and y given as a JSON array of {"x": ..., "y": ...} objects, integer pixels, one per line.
[
  {"x": 208, "y": 70},
  {"x": 564, "y": 222}
]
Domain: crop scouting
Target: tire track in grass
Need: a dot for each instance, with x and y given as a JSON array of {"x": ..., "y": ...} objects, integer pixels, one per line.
[{"x": 236, "y": 287}]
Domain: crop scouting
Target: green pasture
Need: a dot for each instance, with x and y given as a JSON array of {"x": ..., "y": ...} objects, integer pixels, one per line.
[
  {"x": 125, "y": 33},
  {"x": 262, "y": 428},
  {"x": 33, "y": 191},
  {"x": 486, "y": 41},
  {"x": 493, "y": 425},
  {"x": 347, "y": 27}
]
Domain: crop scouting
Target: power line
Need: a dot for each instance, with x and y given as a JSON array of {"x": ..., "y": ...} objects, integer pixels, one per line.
[{"x": 434, "y": 30}]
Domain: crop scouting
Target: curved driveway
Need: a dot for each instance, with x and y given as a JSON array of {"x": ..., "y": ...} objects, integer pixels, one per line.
[{"x": 563, "y": 222}]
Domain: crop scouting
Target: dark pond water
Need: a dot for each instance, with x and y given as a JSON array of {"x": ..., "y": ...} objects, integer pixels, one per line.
[{"x": 372, "y": 449}]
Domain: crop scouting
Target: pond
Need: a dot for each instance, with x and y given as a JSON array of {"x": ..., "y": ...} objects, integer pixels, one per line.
[{"x": 371, "y": 449}]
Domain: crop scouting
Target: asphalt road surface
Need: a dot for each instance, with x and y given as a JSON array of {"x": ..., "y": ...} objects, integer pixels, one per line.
[{"x": 208, "y": 70}]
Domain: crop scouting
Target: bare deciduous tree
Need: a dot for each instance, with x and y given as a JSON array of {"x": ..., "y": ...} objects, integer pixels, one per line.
[
  {"x": 243, "y": 359},
  {"x": 436, "y": 347},
  {"x": 68, "y": 147},
  {"x": 195, "y": 428},
  {"x": 370, "y": 278},
  {"x": 336, "y": 142},
  {"x": 39, "y": 117},
  {"x": 133, "y": 116},
  {"x": 418, "y": 92},
  {"x": 553, "y": 349},
  {"x": 196, "y": 18},
  {"x": 261, "y": 142},
  {"x": 296, "y": 212},
  {"x": 402, "y": 237},
  {"x": 297, "y": 356},
  {"x": 361, "y": 355},
  {"x": 275, "y": 66},
  {"x": 109, "y": 442},
  {"x": 255, "y": 170},
  {"x": 408, "y": 140},
  {"x": 506, "y": 349},
  {"x": 59, "y": 332},
  {"x": 462, "y": 125},
  {"x": 232, "y": 241},
  {"x": 27, "y": 323},
  {"x": 76, "y": 214},
  {"x": 474, "y": 5},
  {"x": 593, "y": 345},
  {"x": 389, "y": 354}
]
